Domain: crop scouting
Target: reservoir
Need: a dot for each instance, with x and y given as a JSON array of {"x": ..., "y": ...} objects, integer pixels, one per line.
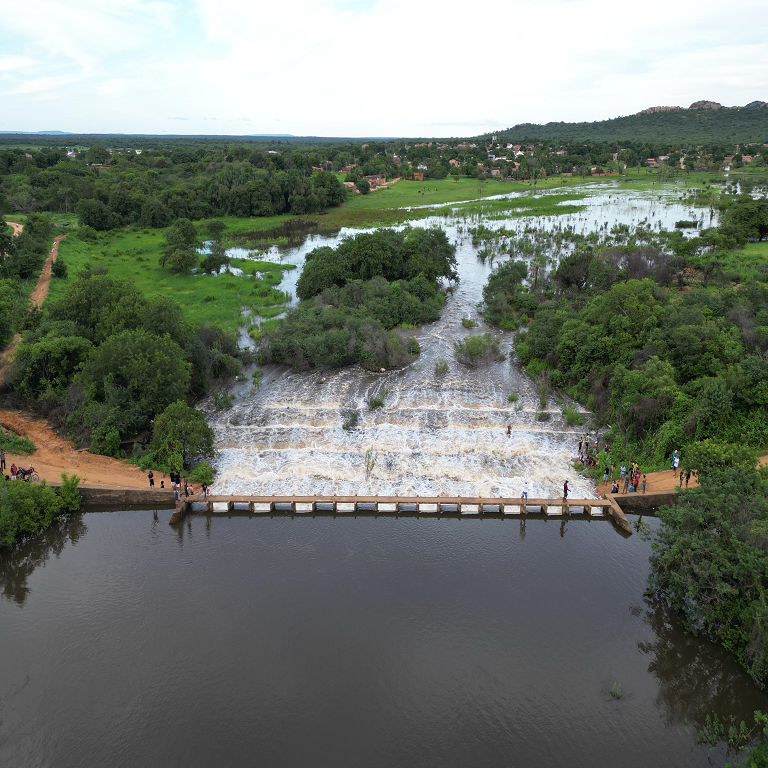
[{"x": 240, "y": 641}]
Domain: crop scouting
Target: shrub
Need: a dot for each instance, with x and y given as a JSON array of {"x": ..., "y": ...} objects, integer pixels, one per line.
[
  {"x": 441, "y": 367},
  {"x": 84, "y": 232},
  {"x": 572, "y": 416},
  {"x": 709, "y": 456},
  {"x": 201, "y": 473},
  {"x": 105, "y": 440},
  {"x": 13, "y": 443},
  {"x": 512, "y": 398},
  {"x": 476, "y": 350},
  {"x": 350, "y": 420},
  {"x": 29, "y": 508},
  {"x": 59, "y": 269},
  {"x": 375, "y": 402},
  {"x": 468, "y": 322}
]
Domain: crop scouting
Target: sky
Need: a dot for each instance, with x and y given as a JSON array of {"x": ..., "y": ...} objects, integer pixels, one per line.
[{"x": 367, "y": 67}]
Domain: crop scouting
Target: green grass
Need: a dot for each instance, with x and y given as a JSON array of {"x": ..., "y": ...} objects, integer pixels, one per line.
[
  {"x": 133, "y": 254},
  {"x": 745, "y": 263}
]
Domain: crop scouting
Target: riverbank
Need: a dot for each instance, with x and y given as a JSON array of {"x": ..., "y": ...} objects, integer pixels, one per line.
[{"x": 54, "y": 455}]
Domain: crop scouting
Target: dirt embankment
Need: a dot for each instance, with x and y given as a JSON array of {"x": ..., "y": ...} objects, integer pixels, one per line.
[
  {"x": 665, "y": 480},
  {"x": 54, "y": 455}
]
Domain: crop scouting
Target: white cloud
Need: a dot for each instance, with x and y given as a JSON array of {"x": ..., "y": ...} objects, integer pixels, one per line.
[
  {"x": 13, "y": 63},
  {"x": 393, "y": 67}
]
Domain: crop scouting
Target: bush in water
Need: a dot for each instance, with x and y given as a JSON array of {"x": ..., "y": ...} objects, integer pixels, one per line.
[{"x": 477, "y": 350}]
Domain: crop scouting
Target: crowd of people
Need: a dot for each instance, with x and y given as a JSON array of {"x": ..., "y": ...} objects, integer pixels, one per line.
[{"x": 179, "y": 485}]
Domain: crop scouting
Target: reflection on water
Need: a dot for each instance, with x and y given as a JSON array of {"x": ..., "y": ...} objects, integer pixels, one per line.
[
  {"x": 677, "y": 658},
  {"x": 434, "y": 435},
  {"x": 378, "y": 641},
  {"x": 16, "y": 565}
]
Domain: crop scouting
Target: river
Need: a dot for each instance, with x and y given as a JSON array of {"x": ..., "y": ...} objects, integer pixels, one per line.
[
  {"x": 434, "y": 435},
  {"x": 241, "y": 641}
]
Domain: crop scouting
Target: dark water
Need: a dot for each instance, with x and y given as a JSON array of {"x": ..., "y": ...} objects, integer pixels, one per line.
[{"x": 347, "y": 642}]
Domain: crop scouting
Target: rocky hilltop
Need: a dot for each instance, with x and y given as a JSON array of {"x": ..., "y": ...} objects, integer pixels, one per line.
[
  {"x": 651, "y": 110},
  {"x": 703, "y": 105}
]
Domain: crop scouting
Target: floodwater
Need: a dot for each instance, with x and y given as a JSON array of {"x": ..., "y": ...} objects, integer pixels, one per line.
[
  {"x": 241, "y": 641},
  {"x": 435, "y": 435}
]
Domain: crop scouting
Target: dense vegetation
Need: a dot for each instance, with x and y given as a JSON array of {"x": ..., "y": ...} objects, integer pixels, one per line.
[
  {"x": 685, "y": 125},
  {"x": 104, "y": 359},
  {"x": 156, "y": 187},
  {"x": 21, "y": 258},
  {"x": 710, "y": 557},
  {"x": 665, "y": 368},
  {"x": 28, "y": 508},
  {"x": 354, "y": 297}
]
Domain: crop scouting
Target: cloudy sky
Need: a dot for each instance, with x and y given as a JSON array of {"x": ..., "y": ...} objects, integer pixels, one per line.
[{"x": 367, "y": 68}]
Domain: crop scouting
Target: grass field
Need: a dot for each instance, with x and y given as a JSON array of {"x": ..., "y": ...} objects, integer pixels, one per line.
[
  {"x": 134, "y": 255},
  {"x": 746, "y": 262}
]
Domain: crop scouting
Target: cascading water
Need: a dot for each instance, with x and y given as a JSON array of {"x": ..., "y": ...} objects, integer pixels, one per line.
[{"x": 435, "y": 435}]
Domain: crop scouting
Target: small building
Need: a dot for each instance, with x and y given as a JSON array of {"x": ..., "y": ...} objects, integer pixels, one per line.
[{"x": 418, "y": 176}]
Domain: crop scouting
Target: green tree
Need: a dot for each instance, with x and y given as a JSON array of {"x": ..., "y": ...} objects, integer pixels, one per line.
[
  {"x": 131, "y": 377},
  {"x": 181, "y": 430},
  {"x": 94, "y": 214}
]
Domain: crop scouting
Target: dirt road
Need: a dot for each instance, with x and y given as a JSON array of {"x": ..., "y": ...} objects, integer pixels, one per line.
[
  {"x": 37, "y": 297},
  {"x": 54, "y": 455}
]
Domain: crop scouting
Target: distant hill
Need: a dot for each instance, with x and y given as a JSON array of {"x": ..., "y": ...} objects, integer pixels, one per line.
[
  {"x": 702, "y": 122},
  {"x": 35, "y": 133}
]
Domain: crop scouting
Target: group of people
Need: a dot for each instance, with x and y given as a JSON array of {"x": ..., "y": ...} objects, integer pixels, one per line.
[
  {"x": 589, "y": 457},
  {"x": 632, "y": 479},
  {"x": 18, "y": 473},
  {"x": 178, "y": 484}
]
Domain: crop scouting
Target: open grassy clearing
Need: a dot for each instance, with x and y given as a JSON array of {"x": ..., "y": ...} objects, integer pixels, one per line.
[
  {"x": 134, "y": 255},
  {"x": 746, "y": 264}
]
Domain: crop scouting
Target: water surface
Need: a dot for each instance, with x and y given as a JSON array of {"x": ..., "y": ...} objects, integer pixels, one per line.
[{"x": 345, "y": 642}]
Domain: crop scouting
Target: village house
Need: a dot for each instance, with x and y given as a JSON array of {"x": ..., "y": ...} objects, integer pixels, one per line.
[
  {"x": 418, "y": 176},
  {"x": 375, "y": 180},
  {"x": 455, "y": 163}
]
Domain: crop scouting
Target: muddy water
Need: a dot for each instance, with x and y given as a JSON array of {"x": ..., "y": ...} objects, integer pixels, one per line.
[
  {"x": 435, "y": 435},
  {"x": 237, "y": 641}
]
